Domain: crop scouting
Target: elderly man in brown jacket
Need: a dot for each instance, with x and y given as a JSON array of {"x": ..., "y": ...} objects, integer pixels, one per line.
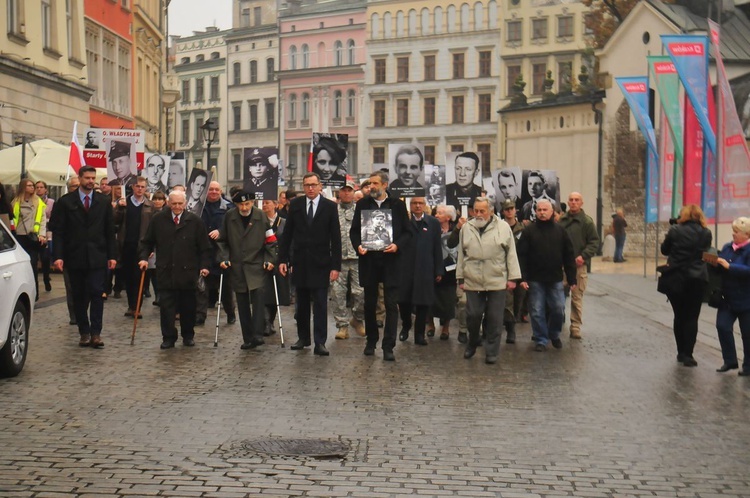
[{"x": 247, "y": 246}]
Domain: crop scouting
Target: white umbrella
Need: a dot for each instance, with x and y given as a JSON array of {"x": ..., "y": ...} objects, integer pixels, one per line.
[{"x": 46, "y": 160}]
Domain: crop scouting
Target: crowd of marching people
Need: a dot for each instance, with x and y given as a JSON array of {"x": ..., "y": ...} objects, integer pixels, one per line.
[{"x": 486, "y": 270}]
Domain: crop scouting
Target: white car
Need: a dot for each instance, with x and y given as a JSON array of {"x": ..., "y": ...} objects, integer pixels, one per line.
[{"x": 17, "y": 304}]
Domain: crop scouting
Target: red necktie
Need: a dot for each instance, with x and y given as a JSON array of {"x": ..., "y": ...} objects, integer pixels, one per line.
[
  {"x": 176, "y": 220},
  {"x": 86, "y": 202}
]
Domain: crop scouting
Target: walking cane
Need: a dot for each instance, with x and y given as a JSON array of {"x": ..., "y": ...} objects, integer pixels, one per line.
[
  {"x": 138, "y": 306},
  {"x": 278, "y": 310},
  {"x": 218, "y": 310}
]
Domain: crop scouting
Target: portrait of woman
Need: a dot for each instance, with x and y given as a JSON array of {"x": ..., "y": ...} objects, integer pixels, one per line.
[{"x": 329, "y": 159}]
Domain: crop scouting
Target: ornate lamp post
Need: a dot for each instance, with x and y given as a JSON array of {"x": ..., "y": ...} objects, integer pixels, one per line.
[{"x": 210, "y": 128}]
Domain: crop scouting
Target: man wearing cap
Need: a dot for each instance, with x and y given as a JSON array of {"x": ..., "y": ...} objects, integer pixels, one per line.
[
  {"x": 247, "y": 246},
  {"x": 119, "y": 156},
  {"x": 349, "y": 276},
  {"x": 262, "y": 180}
]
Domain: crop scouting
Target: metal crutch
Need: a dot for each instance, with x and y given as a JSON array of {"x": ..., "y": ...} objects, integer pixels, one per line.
[
  {"x": 278, "y": 310},
  {"x": 138, "y": 307},
  {"x": 218, "y": 309}
]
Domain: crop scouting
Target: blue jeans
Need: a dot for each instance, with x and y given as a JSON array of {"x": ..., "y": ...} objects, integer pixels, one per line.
[
  {"x": 619, "y": 247},
  {"x": 725, "y": 319},
  {"x": 547, "y": 302}
]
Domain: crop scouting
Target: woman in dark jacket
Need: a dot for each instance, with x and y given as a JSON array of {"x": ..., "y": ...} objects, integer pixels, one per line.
[
  {"x": 734, "y": 265},
  {"x": 684, "y": 246}
]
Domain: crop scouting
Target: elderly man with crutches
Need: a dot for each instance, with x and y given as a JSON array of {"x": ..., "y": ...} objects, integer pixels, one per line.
[{"x": 247, "y": 246}]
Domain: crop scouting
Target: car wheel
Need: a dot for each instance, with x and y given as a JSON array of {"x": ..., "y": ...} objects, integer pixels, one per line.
[{"x": 13, "y": 354}]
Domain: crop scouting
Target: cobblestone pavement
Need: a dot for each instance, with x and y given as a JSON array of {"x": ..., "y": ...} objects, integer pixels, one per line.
[{"x": 611, "y": 415}]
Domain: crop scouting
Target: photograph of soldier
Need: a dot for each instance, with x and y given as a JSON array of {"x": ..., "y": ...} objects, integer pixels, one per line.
[
  {"x": 463, "y": 177},
  {"x": 121, "y": 165},
  {"x": 538, "y": 185},
  {"x": 92, "y": 141},
  {"x": 155, "y": 173},
  {"x": 176, "y": 173},
  {"x": 435, "y": 184},
  {"x": 261, "y": 172},
  {"x": 507, "y": 185},
  {"x": 406, "y": 170},
  {"x": 377, "y": 229},
  {"x": 197, "y": 190},
  {"x": 329, "y": 158}
]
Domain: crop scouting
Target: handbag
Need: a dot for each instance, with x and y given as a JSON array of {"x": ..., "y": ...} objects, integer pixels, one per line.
[
  {"x": 671, "y": 280},
  {"x": 33, "y": 237},
  {"x": 715, "y": 298}
]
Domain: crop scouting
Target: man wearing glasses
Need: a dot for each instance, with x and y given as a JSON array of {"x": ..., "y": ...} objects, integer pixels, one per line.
[{"x": 311, "y": 250}]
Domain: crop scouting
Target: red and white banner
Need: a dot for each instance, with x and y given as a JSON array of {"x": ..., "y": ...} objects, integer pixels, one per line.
[{"x": 75, "y": 159}]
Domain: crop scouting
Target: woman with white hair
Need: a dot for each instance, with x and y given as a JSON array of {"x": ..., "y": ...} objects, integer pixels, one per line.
[{"x": 734, "y": 264}]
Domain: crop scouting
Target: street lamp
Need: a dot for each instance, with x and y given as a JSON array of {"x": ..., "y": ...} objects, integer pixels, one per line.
[
  {"x": 291, "y": 169},
  {"x": 210, "y": 128}
]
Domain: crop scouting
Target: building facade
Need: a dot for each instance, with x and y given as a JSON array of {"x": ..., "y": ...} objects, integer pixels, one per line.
[{"x": 149, "y": 54}]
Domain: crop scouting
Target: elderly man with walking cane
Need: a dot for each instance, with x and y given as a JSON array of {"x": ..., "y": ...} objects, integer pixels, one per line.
[{"x": 248, "y": 249}]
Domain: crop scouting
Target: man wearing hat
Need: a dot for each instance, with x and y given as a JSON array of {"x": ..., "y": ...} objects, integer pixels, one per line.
[
  {"x": 262, "y": 177},
  {"x": 349, "y": 276},
  {"x": 247, "y": 246},
  {"x": 513, "y": 298},
  {"x": 119, "y": 157}
]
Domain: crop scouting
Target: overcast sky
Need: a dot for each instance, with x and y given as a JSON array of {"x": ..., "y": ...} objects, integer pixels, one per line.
[{"x": 186, "y": 16}]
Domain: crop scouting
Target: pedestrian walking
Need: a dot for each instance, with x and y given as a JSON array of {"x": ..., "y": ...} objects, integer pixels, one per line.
[
  {"x": 444, "y": 307},
  {"x": 619, "y": 224},
  {"x": 179, "y": 239},
  {"x": 513, "y": 298},
  {"x": 544, "y": 251},
  {"x": 684, "y": 245},
  {"x": 45, "y": 252},
  {"x": 85, "y": 247},
  {"x": 29, "y": 220},
  {"x": 311, "y": 247},
  {"x": 276, "y": 288}
]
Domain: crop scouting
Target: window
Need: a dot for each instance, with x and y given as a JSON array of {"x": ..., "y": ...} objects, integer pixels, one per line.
[
  {"x": 185, "y": 60},
  {"x": 564, "y": 73},
  {"x": 69, "y": 28},
  {"x": 478, "y": 16},
  {"x": 199, "y": 89},
  {"x": 457, "y": 107},
  {"x": 387, "y": 25},
  {"x": 429, "y": 154},
  {"x": 198, "y": 136},
  {"x": 565, "y": 26},
  {"x": 292, "y": 57},
  {"x": 400, "y": 24},
  {"x": 412, "y": 25},
  {"x": 457, "y": 147},
  {"x": 438, "y": 20},
  {"x": 305, "y": 56},
  {"x": 15, "y": 11},
  {"x": 351, "y": 103},
  {"x": 429, "y": 68},
  {"x": 293, "y": 107},
  {"x": 378, "y": 155},
  {"x": 214, "y": 88},
  {"x": 236, "y": 165},
  {"x": 429, "y": 110},
  {"x": 253, "y": 116},
  {"x": 214, "y": 56},
  {"x": 538, "y": 73},
  {"x": 305, "y": 106},
  {"x": 485, "y": 64},
  {"x": 485, "y": 108},
  {"x": 465, "y": 16},
  {"x": 379, "y": 115},
  {"x": 337, "y": 101},
  {"x": 538, "y": 29},
  {"x": 425, "y": 24},
  {"x": 458, "y": 66},
  {"x": 185, "y": 91},
  {"x": 484, "y": 151},
  {"x": 257, "y": 15},
  {"x": 402, "y": 112},
  {"x": 351, "y": 53},
  {"x": 451, "y": 18},
  {"x": 185, "y": 131},
  {"x": 200, "y": 58},
  {"x": 379, "y": 70},
  {"x": 271, "y": 114},
  {"x": 514, "y": 31},
  {"x": 402, "y": 69},
  {"x": 47, "y": 23},
  {"x": 513, "y": 73},
  {"x": 375, "y": 26},
  {"x": 236, "y": 73},
  {"x": 338, "y": 53},
  {"x": 236, "y": 117},
  {"x": 270, "y": 71},
  {"x": 253, "y": 71},
  {"x": 245, "y": 21}
]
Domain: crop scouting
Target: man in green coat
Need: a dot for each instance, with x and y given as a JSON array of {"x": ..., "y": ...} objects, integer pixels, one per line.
[{"x": 248, "y": 248}]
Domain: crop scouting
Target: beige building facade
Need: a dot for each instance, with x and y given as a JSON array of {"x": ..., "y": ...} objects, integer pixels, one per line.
[{"x": 148, "y": 39}]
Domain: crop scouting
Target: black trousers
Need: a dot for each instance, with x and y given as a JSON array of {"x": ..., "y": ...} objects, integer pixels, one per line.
[
  {"x": 172, "y": 301},
  {"x": 318, "y": 296},
  {"x": 44, "y": 258},
  {"x": 687, "y": 309},
  {"x": 420, "y": 318},
  {"x": 86, "y": 287},
  {"x": 210, "y": 296},
  {"x": 32, "y": 249},
  {"x": 131, "y": 275},
  {"x": 251, "y": 309},
  {"x": 390, "y": 295}
]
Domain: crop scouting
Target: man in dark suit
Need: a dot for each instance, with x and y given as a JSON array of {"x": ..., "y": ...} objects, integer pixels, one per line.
[
  {"x": 312, "y": 236},
  {"x": 381, "y": 266},
  {"x": 85, "y": 245},
  {"x": 181, "y": 243}
]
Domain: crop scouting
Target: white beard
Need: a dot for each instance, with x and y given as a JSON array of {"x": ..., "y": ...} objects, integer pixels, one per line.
[{"x": 481, "y": 222}]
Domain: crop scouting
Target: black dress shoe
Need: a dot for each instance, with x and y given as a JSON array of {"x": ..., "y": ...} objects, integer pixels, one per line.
[
  {"x": 47, "y": 286},
  {"x": 726, "y": 368},
  {"x": 421, "y": 341},
  {"x": 73, "y": 321},
  {"x": 463, "y": 338},
  {"x": 320, "y": 350},
  {"x": 404, "y": 335},
  {"x": 690, "y": 362},
  {"x": 388, "y": 355},
  {"x": 200, "y": 321},
  {"x": 557, "y": 343},
  {"x": 167, "y": 345},
  {"x": 490, "y": 360},
  {"x": 369, "y": 350},
  {"x": 380, "y": 324},
  {"x": 469, "y": 352},
  {"x": 680, "y": 357},
  {"x": 188, "y": 342},
  {"x": 744, "y": 373},
  {"x": 300, "y": 345},
  {"x": 231, "y": 319}
]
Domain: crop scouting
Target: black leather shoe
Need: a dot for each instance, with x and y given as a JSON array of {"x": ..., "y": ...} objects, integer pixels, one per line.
[
  {"x": 388, "y": 355},
  {"x": 420, "y": 341},
  {"x": 47, "y": 286},
  {"x": 463, "y": 338},
  {"x": 300, "y": 345},
  {"x": 557, "y": 343},
  {"x": 404, "y": 335},
  {"x": 469, "y": 352},
  {"x": 744, "y": 373},
  {"x": 726, "y": 368},
  {"x": 510, "y": 338},
  {"x": 188, "y": 342},
  {"x": 690, "y": 362},
  {"x": 490, "y": 360},
  {"x": 231, "y": 319},
  {"x": 321, "y": 350},
  {"x": 200, "y": 321},
  {"x": 380, "y": 324},
  {"x": 167, "y": 345},
  {"x": 540, "y": 347},
  {"x": 369, "y": 350},
  {"x": 680, "y": 357}
]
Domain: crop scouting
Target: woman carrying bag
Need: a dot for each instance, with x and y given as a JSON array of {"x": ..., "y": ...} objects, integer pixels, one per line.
[{"x": 30, "y": 223}]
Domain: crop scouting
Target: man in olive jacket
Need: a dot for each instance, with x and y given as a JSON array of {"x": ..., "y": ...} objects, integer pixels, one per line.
[
  {"x": 182, "y": 254},
  {"x": 582, "y": 232},
  {"x": 248, "y": 248}
]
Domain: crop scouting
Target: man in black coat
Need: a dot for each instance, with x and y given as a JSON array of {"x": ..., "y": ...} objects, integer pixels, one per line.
[
  {"x": 381, "y": 266},
  {"x": 85, "y": 245},
  {"x": 313, "y": 239},
  {"x": 182, "y": 253}
]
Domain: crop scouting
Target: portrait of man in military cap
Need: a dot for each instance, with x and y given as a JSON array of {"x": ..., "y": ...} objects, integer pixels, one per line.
[
  {"x": 121, "y": 163},
  {"x": 377, "y": 229},
  {"x": 262, "y": 172}
]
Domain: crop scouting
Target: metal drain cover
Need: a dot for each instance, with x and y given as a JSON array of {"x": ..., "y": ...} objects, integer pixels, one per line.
[{"x": 316, "y": 448}]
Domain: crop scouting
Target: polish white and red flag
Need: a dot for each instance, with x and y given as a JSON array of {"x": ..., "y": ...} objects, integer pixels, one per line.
[{"x": 75, "y": 159}]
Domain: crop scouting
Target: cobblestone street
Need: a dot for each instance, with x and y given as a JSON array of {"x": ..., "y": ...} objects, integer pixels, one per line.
[{"x": 613, "y": 415}]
